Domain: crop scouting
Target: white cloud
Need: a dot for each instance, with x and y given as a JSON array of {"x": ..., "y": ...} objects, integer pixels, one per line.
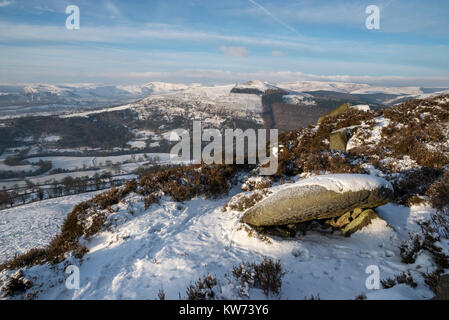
[
  {"x": 16, "y": 31},
  {"x": 127, "y": 66},
  {"x": 239, "y": 52},
  {"x": 305, "y": 45},
  {"x": 278, "y": 54},
  {"x": 5, "y": 3}
]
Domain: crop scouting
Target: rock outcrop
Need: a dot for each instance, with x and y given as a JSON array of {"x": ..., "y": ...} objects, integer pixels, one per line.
[
  {"x": 341, "y": 109},
  {"x": 338, "y": 140},
  {"x": 359, "y": 222},
  {"x": 320, "y": 197}
]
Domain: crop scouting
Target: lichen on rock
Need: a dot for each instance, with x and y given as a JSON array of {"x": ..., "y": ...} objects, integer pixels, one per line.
[{"x": 363, "y": 220}]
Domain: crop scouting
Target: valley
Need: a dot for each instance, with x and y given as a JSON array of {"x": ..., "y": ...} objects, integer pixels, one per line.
[{"x": 111, "y": 143}]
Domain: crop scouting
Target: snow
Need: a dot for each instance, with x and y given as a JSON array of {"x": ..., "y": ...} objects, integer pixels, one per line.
[
  {"x": 303, "y": 99},
  {"x": 88, "y": 113},
  {"x": 361, "y": 107},
  {"x": 139, "y": 144},
  {"x": 50, "y": 138},
  {"x": 389, "y": 90},
  {"x": 87, "y": 90},
  {"x": 77, "y": 98},
  {"x": 25, "y": 167},
  {"x": 25, "y": 139},
  {"x": 342, "y": 183},
  {"x": 353, "y": 88},
  {"x": 375, "y": 134},
  {"x": 172, "y": 244},
  {"x": 310, "y": 86},
  {"x": 34, "y": 225},
  {"x": 256, "y": 84},
  {"x": 212, "y": 104},
  {"x": 71, "y": 163},
  {"x": 44, "y": 179}
]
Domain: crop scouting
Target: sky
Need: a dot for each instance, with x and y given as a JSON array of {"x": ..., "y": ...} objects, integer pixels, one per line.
[{"x": 214, "y": 42}]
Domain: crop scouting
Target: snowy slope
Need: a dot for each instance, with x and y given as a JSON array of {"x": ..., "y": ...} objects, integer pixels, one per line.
[
  {"x": 213, "y": 105},
  {"x": 171, "y": 244},
  {"x": 34, "y": 225},
  {"x": 301, "y": 99},
  {"x": 89, "y": 90},
  {"x": 305, "y": 86},
  {"x": 401, "y": 93},
  {"x": 256, "y": 84},
  {"x": 46, "y": 99}
]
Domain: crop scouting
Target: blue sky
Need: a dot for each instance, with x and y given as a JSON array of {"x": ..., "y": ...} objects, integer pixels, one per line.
[{"x": 207, "y": 41}]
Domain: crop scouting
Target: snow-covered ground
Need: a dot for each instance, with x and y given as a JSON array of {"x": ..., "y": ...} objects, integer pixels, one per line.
[
  {"x": 48, "y": 179},
  {"x": 172, "y": 244},
  {"x": 34, "y": 225},
  {"x": 25, "y": 167},
  {"x": 71, "y": 163},
  {"x": 303, "y": 99}
]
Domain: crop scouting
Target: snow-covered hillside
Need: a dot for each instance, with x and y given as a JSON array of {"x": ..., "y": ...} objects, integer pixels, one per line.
[
  {"x": 173, "y": 227},
  {"x": 34, "y": 225},
  {"x": 398, "y": 93},
  {"x": 171, "y": 245},
  {"x": 28, "y": 99},
  {"x": 88, "y": 91},
  {"x": 45, "y": 99},
  {"x": 256, "y": 84},
  {"x": 213, "y": 105}
]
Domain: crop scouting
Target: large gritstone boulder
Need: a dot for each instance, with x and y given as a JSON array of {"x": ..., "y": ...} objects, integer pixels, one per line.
[{"x": 320, "y": 197}]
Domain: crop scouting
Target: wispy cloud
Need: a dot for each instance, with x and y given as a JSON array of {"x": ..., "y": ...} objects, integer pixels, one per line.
[
  {"x": 278, "y": 54},
  {"x": 385, "y": 6},
  {"x": 112, "y": 9},
  {"x": 239, "y": 52},
  {"x": 273, "y": 16},
  {"x": 114, "y": 34},
  {"x": 5, "y": 3},
  {"x": 120, "y": 36}
]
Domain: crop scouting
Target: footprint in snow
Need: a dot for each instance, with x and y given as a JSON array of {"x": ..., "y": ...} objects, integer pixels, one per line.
[{"x": 302, "y": 254}]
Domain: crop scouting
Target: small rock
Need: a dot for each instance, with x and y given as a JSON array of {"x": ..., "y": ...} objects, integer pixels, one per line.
[
  {"x": 389, "y": 253},
  {"x": 356, "y": 213},
  {"x": 338, "y": 140},
  {"x": 342, "y": 221},
  {"x": 360, "y": 222}
]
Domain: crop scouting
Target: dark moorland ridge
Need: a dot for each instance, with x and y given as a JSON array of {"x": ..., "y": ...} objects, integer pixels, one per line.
[{"x": 284, "y": 116}]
